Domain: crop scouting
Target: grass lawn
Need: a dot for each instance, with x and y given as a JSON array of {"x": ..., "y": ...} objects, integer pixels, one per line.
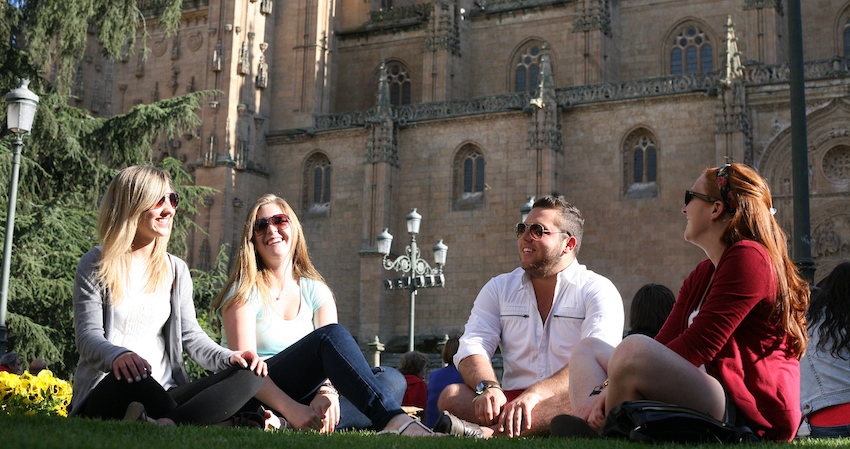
[{"x": 53, "y": 432}]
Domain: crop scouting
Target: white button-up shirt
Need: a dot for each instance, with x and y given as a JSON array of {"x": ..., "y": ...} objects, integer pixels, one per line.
[{"x": 505, "y": 313}]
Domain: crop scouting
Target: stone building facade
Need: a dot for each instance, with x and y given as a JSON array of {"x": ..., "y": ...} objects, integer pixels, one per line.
[{"x": 357, "y": 111}]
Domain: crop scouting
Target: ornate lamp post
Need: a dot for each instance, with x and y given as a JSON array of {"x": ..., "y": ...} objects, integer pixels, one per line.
[
  {"x": 21, "y": 104},
  {"x": 421, "y": 275},
  {"x": 525, "y": 209}
]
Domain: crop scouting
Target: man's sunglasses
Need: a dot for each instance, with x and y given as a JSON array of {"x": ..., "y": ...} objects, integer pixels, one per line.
[
  {"x": 690, "y": 194},
  {"x": 173, "y": 198},
  {"x": 536, "y": 230},
  {"x": 279, "y": 220}
]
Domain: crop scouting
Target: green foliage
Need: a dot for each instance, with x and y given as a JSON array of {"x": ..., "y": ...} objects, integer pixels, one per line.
[{"x": 56, "y": 31}]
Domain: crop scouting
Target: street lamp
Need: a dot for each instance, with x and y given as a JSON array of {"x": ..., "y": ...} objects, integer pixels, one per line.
[
  {"x": 21, "y": 104},
  {"x": 525, "y": 209},
  {"x": 421, "y": 274}
]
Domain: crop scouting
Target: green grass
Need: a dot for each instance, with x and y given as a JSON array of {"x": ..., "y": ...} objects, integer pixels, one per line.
[{"x": 52, "y": 432}]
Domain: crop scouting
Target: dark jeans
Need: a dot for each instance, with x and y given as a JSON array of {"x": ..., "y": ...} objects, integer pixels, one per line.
[
  {"x": 393, "y": 381},
  {"x": 331, "y": 353},
  {"x": 830, "y": 432},
  {"x": 205, "y": 401}
]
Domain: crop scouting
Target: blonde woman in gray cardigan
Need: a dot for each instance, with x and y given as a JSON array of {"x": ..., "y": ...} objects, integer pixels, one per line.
[{"x": 134, "y": 316}]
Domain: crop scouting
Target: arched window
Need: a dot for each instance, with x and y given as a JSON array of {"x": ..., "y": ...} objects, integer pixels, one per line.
[
  {"x": 469, "y": 185},
  {"x": 690, "y": 51},
  {"x": 527, "y": 68},
  {"x": 640, "y": 161},
  {"x": 317, "y": 186},
  {"x": 399, "y": 83}
]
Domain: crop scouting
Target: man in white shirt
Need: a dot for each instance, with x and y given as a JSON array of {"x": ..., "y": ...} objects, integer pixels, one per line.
[{"x": 537, "y": 314}]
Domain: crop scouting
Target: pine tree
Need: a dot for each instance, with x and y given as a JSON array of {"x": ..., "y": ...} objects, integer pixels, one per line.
[{"x": 70, "y": 158}]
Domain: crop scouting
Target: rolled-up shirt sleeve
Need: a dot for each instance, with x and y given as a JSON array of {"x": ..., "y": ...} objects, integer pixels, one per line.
[
  {"x": 604, "y": 316},
  {"x": 483, "y": 330}
]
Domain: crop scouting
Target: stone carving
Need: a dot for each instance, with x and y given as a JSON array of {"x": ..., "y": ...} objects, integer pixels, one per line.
[
  {"x": 140, "y": 65},
  {"x": 175, "y": 47},
  {"x": 216, "y": 58},
  {"x": 761, "y": 4},
  {"x": 443, "y": 30},
  {"x": 173, "y": 82},
  {"x": 194, "y": 41},
  {"x": 265, "y": 7},
  {"x": 262, "y": 80},
  {"x": 159, "y": 47},
  {"x": 590, "y": 17},
  {"x": 836, "y": 164},
  {"x": 243, "y": 67},
  {"x": 831, "y": 239}
]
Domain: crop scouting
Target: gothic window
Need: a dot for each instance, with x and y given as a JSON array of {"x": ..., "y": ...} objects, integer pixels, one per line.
[
  {"x": 469, "y": 183},
  {"x": 527, "y": 68},
  {"x": 399, "y": 84},
  {"x": 640, "y": 162},
  {"x": 690, "y": 51},
  {"x": 317, "y": 186}
]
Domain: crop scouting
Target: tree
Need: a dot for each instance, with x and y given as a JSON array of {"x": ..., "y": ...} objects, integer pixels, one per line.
[{"x": 70, "y": 158}]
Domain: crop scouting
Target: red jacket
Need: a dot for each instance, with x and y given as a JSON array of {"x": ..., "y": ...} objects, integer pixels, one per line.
[
  {"x": 417, "y": 391},
  {"x": 736, "y": 339}
]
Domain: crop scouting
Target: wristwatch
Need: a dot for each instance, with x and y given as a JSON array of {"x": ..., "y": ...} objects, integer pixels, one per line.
[{"x": 484, "y": 385}]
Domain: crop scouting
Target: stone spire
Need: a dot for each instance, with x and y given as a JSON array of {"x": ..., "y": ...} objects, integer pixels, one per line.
[
  {"x": 732, "y": 68},
  {"x": 382, "y": 146}
]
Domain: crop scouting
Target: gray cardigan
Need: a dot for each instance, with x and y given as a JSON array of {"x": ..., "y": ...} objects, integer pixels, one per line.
[{"x": 93, "y": 316}]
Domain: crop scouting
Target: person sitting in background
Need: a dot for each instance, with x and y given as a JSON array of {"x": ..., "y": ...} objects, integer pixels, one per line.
[
  {"x": 36, "y": 366},
  {"x": 10, "y": 362},
  {"x": 650, "y": 308},
  {"x": 413, "y": 365},
  {"x": 825, "y": 369},
  {"x": 440, "y": 378}
]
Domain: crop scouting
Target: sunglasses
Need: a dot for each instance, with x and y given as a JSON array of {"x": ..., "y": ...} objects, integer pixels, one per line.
[
  {"x": 172, "y": 197},
  {"x": 536, "y": 230},
  {"x": 281, "y": 221},
  {"x": 690, "y": 194}
]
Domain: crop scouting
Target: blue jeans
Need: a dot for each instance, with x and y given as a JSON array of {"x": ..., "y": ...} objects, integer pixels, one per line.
[
  {"x": 331, "y": 353},
  {"x": 830, "y": 432},
  {"x": 395, "y": 383}
]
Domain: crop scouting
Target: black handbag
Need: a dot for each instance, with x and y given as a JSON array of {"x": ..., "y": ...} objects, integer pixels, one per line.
[{"x": 652, "y": 422}]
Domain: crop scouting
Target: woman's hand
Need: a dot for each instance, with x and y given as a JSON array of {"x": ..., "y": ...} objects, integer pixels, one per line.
[
  {"x": 303, "y": 417},
  {"x": 131, "y": 367},
  {"x": 250, "y": 360},
  {"x": 326, "y": 405}
]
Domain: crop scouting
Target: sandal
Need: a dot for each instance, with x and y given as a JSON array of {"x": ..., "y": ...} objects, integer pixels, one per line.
[
  {"x": 248, "y": 419},
  {"x": 452, "y": 425},
  {"x": 403, "y": 427},
  {"x": 273, "y": 422}
]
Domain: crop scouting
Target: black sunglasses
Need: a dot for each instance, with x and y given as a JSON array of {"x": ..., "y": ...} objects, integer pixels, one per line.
[
  {"x": 262, "y": 225},
  {"x": 536, "y": 230},
  {"x": 173, "y": 198},
  {"x": 690, "y": 194}
]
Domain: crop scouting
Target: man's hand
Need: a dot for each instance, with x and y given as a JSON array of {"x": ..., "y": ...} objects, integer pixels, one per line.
[
  {"x": 597, "y": 412},
  {"x": 489, "y": 405},
  {"x": 326, "y": 405},
  {"x": 516, "y": 416}
]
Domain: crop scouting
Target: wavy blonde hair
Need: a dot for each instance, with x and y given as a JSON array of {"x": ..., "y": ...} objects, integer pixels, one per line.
[
  {"x": 752, "y": 220},
  {"x": 249, "y": 271},
  {"x": 133, "y": 192}
]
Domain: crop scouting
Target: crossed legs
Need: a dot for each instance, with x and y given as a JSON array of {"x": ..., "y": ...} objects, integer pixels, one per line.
[{"x": 639, "y": 368}]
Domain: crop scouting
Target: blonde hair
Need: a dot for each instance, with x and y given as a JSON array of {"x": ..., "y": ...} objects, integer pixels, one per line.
[
  {"x": 133, "y": 192},
  {"x": 752, "y": 220},
  {"x": 249, "y": 271}
]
